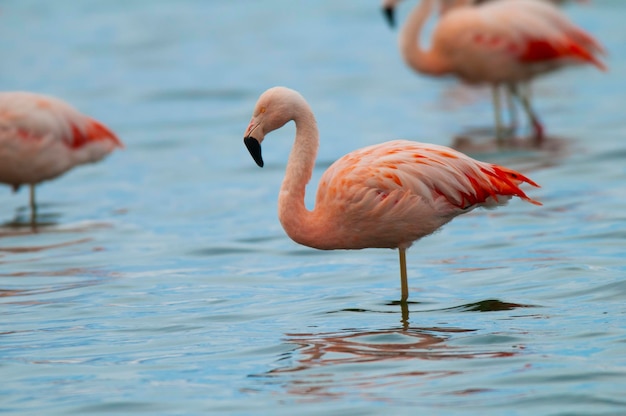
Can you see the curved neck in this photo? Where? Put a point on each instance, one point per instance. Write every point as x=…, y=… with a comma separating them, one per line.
x=426, y=62
x=297, y=221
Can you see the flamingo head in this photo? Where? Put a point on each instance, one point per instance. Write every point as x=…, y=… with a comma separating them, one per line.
x=389, y=13
x=274, y=108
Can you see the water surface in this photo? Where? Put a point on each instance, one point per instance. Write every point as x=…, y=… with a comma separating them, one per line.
x=160, y=281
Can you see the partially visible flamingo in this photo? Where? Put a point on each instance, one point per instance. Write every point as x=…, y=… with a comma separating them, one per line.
x=505, y=42
x=523, y=88
x=558, y=2
x=42, y=137
x=453, y=3
x=383, y=196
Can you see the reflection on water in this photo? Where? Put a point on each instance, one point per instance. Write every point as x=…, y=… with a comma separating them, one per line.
x=34, y=220
x=326, y=365
x=334, y=364
x=482, y=141
x=489, y=305
x=50, y=286
x=19, y=241
x=17, y=229
x=34, y=249
x=323, y=349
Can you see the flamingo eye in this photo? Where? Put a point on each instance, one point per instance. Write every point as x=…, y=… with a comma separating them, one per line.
x=262, y=110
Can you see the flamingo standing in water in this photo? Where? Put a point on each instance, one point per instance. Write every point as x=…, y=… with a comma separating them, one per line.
x=389, y=5
x=523, y=88
x=505, y=42
x=42, y=137
x=383, y=196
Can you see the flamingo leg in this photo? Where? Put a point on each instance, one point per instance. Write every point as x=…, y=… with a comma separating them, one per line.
x=532, y=116
x=510, y=103
x=526, y=90
x=33, y=205
x=404, y=309
x=495, y=92
x=403, y=276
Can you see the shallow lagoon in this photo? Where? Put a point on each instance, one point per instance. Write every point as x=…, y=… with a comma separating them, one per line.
x=160, y=281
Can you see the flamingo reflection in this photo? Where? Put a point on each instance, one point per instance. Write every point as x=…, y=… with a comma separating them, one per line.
x=323, y=364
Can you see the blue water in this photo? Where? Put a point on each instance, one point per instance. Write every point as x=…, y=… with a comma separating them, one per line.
x=159, y=281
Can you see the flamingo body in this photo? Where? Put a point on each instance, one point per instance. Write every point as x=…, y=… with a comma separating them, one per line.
x=382, y=196
x=392, y=194
x=42, y=137
x=505, y=41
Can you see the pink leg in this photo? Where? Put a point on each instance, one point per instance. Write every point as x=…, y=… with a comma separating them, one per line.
x=403, y=276
x=538, y=129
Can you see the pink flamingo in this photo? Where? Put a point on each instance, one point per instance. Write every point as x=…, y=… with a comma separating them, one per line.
x=42, y=137
x=523, y=88
x=383, y=196
x=506, y=42
x=453, y=3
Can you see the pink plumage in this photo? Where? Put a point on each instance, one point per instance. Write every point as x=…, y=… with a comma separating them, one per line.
x=383, y=196
x=505, y=42
x=391, y=194
x=42, y=137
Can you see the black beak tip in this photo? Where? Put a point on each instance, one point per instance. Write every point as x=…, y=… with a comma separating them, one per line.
x=254, y=147
x=389, y=16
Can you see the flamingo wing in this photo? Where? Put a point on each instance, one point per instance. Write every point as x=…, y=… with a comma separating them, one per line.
x=513, y=32
x=390, y=195
x=42, y=137
x=31, y=116
x=442, y=178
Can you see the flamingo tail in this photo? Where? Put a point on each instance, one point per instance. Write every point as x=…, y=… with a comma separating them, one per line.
x=506, y=182
x=538, y=50
x=93, y=131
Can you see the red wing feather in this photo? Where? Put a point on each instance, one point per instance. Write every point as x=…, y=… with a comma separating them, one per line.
x=506, y=182
x=539, y=50
x=94, y=131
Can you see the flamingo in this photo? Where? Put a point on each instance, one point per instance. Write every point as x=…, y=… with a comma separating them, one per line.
x=523, y=88
x=382, y=196
x=42, y=137
x=452, y=3
x=505, y=42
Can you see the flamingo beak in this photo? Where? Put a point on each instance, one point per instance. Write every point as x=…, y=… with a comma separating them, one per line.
x=388, y=11
x=254, y=147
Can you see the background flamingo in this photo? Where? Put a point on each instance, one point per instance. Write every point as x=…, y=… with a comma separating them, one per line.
x=382, y=196
x=523, y=88
x=504, y=42
x=42, y=137
x=453, y=3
